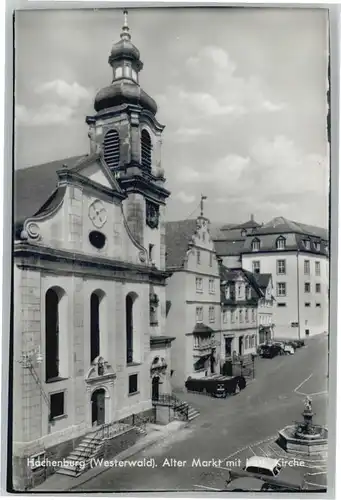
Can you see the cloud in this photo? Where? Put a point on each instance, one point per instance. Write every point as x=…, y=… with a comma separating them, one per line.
x=287, y=170
x=47, y=114
x=60, y=102
x=187, y=134
x=184, y=197
x=276, y=178
x=72, y=94
x=222, y=92
x=224, y=172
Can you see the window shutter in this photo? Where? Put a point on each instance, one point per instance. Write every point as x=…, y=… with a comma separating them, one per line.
x=112, y=148
x=146, y=150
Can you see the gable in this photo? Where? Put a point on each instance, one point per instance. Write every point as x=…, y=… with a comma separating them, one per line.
x=33, y=186
x=95, y=174
x=93, y=168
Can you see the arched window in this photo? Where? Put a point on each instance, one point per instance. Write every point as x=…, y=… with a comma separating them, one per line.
x=129, y=328
x=94, y=326
x=51, y=334
x=56, y=335
x=280, y=243
x=246, y=342
x=255, y=245
x=146, y=150
x=111, y=145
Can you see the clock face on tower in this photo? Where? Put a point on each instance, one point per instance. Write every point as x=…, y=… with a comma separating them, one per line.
x=97, y=214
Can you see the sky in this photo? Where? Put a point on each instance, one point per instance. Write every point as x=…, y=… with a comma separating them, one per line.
x=241, y=92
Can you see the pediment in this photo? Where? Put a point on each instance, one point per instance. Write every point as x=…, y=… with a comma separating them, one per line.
x=100, y=370
x=94, y=168
x=95, y=174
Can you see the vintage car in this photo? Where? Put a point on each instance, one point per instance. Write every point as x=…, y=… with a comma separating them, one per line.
x=267, y=471
x=219, y=387
x=296, y=344
x=289, y=349
x=265, y=467
x=270, y=351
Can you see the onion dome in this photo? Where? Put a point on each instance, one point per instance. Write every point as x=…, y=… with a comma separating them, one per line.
x=124, y=49
x=126, y=64
x=122, y=92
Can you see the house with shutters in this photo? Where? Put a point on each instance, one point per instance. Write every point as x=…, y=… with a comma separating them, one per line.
x=89, y=339
x=193, y=300
x=266, y=303
x=240, y=296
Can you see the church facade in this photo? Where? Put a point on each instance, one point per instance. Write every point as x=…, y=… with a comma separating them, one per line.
x=89, y=310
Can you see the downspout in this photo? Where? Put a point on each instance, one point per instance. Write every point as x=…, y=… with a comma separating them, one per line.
x=298, y=298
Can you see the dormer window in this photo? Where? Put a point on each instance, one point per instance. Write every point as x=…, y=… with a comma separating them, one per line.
x=255, y=245
x=146, y=150
x=306, y=243
x=227, y=292
x=243, y=232
x=280, y=243
x=111, y=145
x=318, y=246
x=249, y=291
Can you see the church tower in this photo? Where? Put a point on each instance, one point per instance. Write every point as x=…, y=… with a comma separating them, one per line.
x=127, y=134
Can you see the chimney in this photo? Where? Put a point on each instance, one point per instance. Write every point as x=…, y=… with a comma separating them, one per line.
x=252, y=217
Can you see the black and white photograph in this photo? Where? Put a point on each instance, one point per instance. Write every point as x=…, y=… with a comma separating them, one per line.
x=171, y=251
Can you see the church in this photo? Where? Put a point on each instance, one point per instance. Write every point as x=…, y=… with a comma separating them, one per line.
x=89, y=307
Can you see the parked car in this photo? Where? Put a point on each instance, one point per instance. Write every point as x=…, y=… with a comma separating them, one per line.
x=296, y=344
x=264, y=474
x=248, y=483
x=270, y=351
x=218, y=387
x=266, y=467
x=289, y=349
x=300, y=343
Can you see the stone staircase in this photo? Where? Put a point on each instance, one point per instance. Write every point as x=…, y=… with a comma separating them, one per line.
x=92, y=447
x=183, y=410
x=79, y=459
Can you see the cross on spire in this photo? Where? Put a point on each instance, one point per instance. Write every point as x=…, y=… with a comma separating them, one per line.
x=202, y=205
x=125, y=35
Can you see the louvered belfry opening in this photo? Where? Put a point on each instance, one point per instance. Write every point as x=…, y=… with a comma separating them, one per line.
x=112, y=148
x=146, y=150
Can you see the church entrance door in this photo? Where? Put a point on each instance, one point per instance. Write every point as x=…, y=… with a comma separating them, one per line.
x=98, y=407
x=155, y=388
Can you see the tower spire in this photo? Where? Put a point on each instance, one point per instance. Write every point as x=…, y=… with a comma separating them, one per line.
x=125, y=35
x=202, y=205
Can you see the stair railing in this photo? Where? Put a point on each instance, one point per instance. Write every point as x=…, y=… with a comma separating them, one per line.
x=89, y=448
x=175, y=403
x=104, y=432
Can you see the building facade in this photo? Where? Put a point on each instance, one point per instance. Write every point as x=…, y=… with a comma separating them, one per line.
x=193, y=300
x=89, y=306
x=266, y=303
x=297, y=257
x=240, y=296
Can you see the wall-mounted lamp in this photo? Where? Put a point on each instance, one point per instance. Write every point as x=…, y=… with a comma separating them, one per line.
x=27, y=358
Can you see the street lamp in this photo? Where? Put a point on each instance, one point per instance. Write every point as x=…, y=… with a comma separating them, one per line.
x=27, y=357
